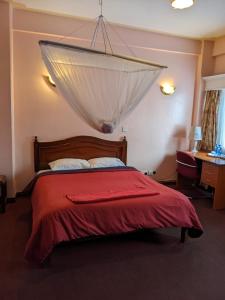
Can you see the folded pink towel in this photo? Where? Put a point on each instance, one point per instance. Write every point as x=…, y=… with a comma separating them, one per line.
x=110, y=195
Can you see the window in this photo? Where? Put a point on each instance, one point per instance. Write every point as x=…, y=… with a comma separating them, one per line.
x=221, y=122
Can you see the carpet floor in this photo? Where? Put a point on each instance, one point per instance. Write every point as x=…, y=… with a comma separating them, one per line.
x=142, y=266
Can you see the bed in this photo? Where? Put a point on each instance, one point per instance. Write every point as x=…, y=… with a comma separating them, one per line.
x=76, y=204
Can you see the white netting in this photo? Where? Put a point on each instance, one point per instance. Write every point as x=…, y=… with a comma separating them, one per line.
x=103, y=89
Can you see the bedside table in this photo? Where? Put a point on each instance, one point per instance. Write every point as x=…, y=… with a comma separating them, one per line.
x=3, y=193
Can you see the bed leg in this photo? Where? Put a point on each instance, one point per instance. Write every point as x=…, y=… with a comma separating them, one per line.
x=47, y=262
x=183, y=234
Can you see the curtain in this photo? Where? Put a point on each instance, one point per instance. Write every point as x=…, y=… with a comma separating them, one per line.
x=101, y=88
x=221, y=122
x=209, y=120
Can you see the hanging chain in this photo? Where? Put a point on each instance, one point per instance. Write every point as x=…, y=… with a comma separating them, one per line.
x=107, y=36
x=100, y=3
x=119, y=36
x=95, y=33
x=101, y=27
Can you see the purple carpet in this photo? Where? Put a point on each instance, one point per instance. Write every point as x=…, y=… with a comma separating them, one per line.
x=142, y=266
x=195, y=193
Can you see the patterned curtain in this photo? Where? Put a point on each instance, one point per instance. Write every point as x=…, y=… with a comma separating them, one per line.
x=221, y=122
x=209, y=120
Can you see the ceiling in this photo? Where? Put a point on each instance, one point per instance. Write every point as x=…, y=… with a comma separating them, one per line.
x=206, y=19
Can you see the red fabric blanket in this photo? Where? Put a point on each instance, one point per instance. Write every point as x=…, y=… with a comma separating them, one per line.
x=110, y=195
x=57, y=219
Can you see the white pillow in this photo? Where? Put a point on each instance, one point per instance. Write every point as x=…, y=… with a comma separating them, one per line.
x=104, y=162
x=69, y=164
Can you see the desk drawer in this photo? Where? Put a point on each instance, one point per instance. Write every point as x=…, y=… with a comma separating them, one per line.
x=209, y=174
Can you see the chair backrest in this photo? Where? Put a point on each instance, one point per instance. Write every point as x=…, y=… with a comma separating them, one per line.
x=187, y=165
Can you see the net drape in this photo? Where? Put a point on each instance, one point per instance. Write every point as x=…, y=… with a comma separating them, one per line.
x=101, y=88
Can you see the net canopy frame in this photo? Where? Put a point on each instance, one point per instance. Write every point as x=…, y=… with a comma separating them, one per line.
x=74, y=47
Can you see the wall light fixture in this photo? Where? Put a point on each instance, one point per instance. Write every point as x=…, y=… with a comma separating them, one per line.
x=49, y=80
x=167, y=88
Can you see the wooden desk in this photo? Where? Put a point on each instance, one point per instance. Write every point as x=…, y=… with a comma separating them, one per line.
x=213, y=174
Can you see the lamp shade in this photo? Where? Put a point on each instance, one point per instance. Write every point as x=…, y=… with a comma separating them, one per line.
x=196, y=133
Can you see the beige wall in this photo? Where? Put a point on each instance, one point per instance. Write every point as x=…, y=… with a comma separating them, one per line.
x=156, y=129
x=5, y=94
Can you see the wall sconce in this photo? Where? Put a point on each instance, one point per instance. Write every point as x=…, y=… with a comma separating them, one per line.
x=167, y=88
x=49, y=80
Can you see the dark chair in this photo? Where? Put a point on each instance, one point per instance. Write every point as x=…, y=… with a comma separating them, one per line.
x=188, y=169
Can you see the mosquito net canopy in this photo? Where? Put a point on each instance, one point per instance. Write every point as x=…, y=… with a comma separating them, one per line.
x=102, y=88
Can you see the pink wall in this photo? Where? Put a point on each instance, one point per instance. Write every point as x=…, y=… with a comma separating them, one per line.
x=83, y=29
x=5, y=95
x=205, y=67
x=219, y=67
x=211, y=62
x=208, y=60
x=156, y=129
x=219, y=55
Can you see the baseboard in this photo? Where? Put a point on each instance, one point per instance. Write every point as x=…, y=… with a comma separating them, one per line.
x=11, y=200
x=168, y=182
x=20, y=194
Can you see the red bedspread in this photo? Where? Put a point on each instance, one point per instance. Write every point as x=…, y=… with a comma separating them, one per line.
x=111, y=194
x=57, y=219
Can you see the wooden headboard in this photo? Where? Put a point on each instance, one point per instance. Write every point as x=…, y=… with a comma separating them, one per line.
x=82, y=147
